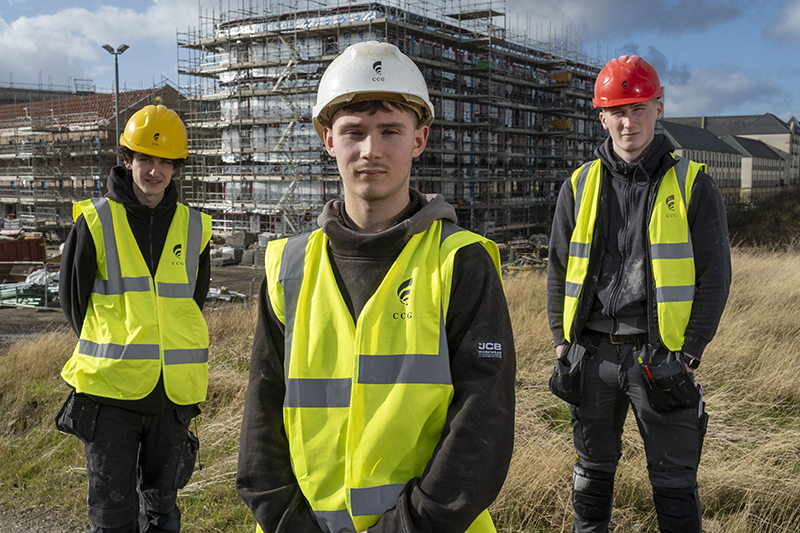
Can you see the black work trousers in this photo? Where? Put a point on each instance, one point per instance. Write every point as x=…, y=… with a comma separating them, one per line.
x=612, y=382
x=135, y=464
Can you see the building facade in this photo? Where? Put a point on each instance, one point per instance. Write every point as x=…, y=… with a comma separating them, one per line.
x=783, y=136
x=513, y=117
x=723, y=162
x=57, y=152
x=764, y=168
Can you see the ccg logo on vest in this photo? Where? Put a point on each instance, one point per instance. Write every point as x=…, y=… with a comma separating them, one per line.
x=177, y=252
x=404, y=293
x=670, y=201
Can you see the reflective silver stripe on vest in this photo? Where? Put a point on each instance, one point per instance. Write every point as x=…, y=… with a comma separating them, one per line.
x=115, y=284
x=374, y=500
x=579, y=249
x=408, y=368
x=193, y=242
x=186, y=356
x=684, y=293
x=119, y=286
x=174, y=290
x=313, y=393
x=682, y=172
x=116, y=351
x=573, y=290
x=290, y=277
x=335, y=521
x=580, y=183
x=672, y=250
x=448, y=229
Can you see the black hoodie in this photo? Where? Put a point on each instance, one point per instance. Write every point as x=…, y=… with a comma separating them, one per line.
x=79, y=265
x=615, y=298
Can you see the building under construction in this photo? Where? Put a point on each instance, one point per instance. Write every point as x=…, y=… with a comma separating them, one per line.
x=58, y=151
x=513, y=115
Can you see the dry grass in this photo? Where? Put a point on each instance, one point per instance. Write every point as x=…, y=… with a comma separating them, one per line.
x=749, y=475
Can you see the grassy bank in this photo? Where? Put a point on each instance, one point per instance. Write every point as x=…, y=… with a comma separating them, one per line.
x=749, y=476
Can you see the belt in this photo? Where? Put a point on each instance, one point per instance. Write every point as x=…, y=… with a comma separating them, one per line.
x=638, y=339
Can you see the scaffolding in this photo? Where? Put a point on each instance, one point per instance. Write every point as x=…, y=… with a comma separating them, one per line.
x=513, y=115
x=54, y=153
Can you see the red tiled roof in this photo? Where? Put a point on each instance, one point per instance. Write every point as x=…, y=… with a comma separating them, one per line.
x=78, y=110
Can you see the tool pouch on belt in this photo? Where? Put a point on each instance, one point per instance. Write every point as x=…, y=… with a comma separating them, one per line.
x=567, y=379
x=78, y=416
x=669, y=385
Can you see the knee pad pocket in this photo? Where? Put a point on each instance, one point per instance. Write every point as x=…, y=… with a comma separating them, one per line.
x=592, y=494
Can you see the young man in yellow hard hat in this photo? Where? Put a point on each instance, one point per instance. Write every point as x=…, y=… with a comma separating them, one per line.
x=134, y=276
x=638, y=278
x=381, y=394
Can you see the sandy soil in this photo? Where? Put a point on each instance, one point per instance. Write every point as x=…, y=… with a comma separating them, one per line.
x=20, y=322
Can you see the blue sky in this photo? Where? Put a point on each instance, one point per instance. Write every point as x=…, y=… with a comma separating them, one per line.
x=715, y=57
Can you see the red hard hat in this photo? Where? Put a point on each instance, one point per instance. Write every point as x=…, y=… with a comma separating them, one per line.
x=626, y=80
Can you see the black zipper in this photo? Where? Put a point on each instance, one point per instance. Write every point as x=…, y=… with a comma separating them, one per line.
x=624, y=249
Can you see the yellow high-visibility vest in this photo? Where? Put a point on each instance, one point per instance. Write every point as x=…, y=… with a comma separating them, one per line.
x=670, y=242
x=365, y=401
x=137, y=327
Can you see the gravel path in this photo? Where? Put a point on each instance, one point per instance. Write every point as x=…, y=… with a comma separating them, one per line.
x=35, y=520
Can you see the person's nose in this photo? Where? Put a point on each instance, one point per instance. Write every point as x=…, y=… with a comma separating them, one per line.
x=371, y=147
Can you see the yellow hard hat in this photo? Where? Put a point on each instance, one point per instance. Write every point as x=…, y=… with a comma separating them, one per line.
x=158, y=131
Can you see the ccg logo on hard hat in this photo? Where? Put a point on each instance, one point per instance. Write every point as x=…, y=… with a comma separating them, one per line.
x=371, y=71
x=377, y=67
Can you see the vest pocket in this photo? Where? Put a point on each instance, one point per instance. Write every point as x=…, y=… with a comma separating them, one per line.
x=78, y=416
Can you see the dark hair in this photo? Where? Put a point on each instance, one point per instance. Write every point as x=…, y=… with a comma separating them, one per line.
x=126, y=154
x=373, y=106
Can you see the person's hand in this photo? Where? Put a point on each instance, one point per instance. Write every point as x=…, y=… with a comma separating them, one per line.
x=559, y=349
x=688, y=368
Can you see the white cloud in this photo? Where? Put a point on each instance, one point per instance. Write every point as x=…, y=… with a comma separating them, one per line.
x=59, y=44
x=603, y=19
x=720, y=90
x=786, y=26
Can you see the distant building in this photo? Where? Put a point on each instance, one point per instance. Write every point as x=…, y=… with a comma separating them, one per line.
x=764, y=168
x=784, y=136
x=57, y=152
x=723, y=162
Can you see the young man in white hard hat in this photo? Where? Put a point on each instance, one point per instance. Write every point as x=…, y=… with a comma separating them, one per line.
x=381, y=393
x=134, y=276
x=638, y=278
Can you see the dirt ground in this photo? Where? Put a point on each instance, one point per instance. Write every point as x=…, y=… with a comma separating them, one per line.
x=20, y=322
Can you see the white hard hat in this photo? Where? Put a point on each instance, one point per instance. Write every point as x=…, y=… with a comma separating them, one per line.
x=366, y=72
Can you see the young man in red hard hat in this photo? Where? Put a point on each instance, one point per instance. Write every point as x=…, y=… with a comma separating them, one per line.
x=134, y=276
x=381, y=394
x=638, y=278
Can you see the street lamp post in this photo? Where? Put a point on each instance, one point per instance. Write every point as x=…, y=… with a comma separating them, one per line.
x=116, y=53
